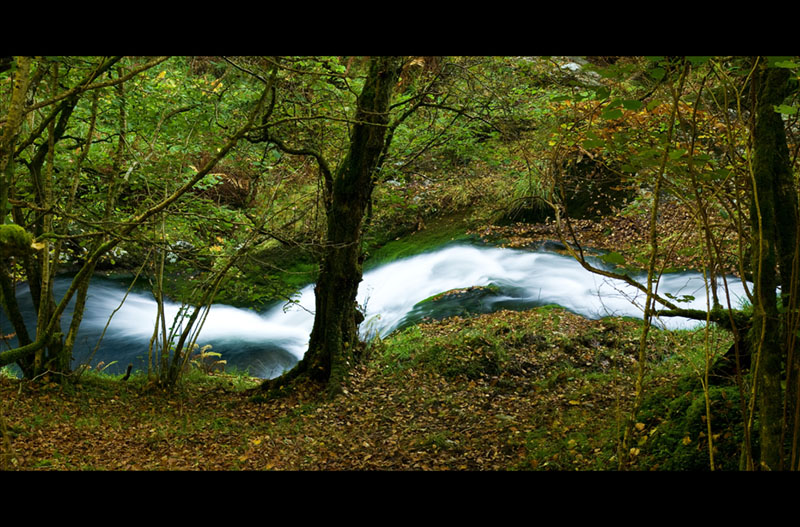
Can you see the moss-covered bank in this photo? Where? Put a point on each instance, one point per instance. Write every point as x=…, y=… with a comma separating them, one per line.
x=536, y=390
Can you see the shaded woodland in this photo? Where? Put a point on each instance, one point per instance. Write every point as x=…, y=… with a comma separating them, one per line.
x=239, y=179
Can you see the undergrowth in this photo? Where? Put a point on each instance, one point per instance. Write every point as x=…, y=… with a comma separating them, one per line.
x=542, y=389
x=577, y=380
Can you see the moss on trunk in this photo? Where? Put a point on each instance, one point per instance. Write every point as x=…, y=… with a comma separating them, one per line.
x=774, y=217
x=334, y=338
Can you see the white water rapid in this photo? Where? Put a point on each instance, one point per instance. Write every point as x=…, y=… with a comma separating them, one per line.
x=524, y=278
x=268, y=343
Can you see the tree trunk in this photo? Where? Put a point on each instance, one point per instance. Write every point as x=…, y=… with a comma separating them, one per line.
x=774, y=218
x=334, y=337
x=14, y=119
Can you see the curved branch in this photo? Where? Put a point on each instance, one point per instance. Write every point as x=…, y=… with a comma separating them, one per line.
x=724, y=318
x=324, y=167
x=86, y=84
x=580, y=257
x=85, y=271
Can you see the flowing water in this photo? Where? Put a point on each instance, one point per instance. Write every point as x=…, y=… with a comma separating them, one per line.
x=392, y=295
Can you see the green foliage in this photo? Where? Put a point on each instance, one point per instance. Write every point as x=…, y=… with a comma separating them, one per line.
x=402, y=351
x=206, y=360
x=786, y=109
x=613, y=258
x=8, y=372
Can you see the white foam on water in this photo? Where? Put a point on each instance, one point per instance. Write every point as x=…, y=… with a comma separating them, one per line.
x=137, y=317
x=389, y=292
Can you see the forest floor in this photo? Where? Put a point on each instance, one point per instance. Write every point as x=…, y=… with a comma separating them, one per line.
x=534, y=390
x=540, y=389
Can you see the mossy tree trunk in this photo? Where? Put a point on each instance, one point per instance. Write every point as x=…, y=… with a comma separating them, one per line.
x=334, y=338
x=774, y=223
x=14, y=119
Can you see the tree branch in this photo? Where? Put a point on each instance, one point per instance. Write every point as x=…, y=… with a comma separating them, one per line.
x=85, y=271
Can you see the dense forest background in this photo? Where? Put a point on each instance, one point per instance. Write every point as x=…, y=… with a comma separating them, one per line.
x=239, y=179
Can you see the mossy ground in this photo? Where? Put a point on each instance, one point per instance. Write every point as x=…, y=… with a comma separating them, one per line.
x=535, y=390
x=444, y=230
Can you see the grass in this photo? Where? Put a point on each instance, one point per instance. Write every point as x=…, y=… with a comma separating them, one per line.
x=515, y=390
x=437, y=233
x=578, y=376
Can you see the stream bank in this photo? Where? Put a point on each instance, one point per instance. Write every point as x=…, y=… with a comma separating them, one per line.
x=541, y=389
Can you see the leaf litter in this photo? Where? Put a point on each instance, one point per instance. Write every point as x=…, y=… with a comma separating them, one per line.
x=531, y=390
x=539, y=389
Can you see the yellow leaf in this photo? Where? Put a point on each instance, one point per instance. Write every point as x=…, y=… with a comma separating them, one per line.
x=162, y=74
x=686, y=440
x=573, y=402
x=640, y=426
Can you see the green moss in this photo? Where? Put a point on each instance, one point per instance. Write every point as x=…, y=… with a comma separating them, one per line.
x=440, y=232
x=14, y=240
x=677, y=416
x=477, y=290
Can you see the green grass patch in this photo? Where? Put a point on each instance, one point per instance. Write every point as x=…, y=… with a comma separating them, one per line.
x=579, y=375
x=438, y=233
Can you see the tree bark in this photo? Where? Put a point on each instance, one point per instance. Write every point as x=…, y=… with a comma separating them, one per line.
x=11, y=129
x=334, y=338
x=774, y=218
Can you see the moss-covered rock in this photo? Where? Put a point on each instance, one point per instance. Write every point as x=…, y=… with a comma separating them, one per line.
x=588, y=188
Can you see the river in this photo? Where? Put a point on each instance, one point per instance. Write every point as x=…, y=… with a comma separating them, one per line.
x=392, y=296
